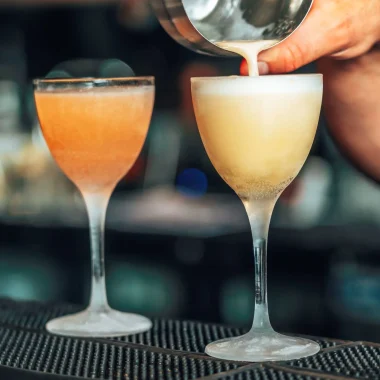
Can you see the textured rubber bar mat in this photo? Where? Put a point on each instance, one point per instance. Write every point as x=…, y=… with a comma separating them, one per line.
x=7, y=373
x=182, y=335
x=32, y=315
x=45, y=353
x=175, y=335
x=357, y=360
x=268, y=372
x=193, y=336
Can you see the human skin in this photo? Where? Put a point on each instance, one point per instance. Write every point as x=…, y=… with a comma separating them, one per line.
x=352, y=108
x=343, y=37
x=340, y=29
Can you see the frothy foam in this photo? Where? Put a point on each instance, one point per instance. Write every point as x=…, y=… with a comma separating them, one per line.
x=100, y=91
x=275, y=84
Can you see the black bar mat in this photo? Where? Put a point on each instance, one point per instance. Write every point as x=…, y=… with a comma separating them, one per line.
x=174, y=335
x=172, y=350
x=266, y=372
x=359, y=360
x=8, y=373
x=93, y=359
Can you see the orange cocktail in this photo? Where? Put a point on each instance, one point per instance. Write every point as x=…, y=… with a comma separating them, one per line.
x=95, y=130
x=95, y=136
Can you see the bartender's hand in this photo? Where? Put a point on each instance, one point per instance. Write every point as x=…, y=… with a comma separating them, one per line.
x=340, y=29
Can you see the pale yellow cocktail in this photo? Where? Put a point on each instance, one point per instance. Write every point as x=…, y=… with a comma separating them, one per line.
x=258, y=132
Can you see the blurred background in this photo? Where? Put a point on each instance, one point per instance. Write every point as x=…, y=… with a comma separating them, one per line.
x=178, y=243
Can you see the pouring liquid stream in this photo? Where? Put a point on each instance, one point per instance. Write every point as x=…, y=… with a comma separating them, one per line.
x=248, y=50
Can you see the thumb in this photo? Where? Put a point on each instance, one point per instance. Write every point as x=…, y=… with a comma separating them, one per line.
x=309, y=42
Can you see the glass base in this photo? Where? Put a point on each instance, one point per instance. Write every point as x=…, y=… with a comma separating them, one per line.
x=262, y=347
x=106, y=323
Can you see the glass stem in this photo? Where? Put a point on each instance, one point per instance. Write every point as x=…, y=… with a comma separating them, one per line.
x=260, y=213
x=96, y=208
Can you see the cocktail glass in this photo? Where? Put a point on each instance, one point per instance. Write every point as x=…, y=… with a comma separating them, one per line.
x=95, y=130
x=258, y=132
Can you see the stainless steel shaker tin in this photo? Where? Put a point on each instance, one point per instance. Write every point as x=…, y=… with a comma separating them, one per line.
x=199, y=24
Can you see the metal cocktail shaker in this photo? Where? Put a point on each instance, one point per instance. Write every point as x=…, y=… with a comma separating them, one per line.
x=199, y=24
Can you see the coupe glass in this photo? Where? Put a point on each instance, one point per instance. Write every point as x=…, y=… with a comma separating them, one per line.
x=95, y=130
x=258, y=132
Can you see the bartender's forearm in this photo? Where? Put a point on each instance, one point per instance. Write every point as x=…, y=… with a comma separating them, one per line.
x=352, y=108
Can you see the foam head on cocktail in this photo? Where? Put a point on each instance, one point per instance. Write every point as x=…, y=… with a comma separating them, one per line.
x=258, y=132
x=95, y=130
